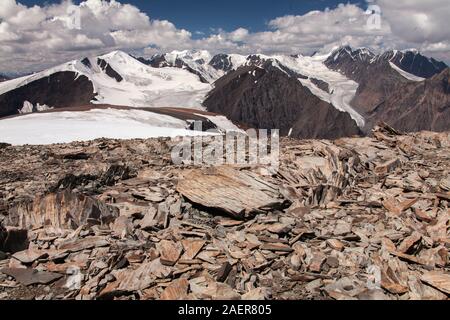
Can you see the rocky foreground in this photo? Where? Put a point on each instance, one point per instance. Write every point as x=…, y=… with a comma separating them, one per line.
x=356, y=218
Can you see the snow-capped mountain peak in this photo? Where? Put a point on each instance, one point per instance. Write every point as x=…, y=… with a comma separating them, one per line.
x=227, y=62
x=413, y=62
x=194, y=61
x=115, y=78
x=346, y=52
x=199, y=56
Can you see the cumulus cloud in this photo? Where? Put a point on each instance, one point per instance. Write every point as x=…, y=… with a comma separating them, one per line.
x=32, y=38
x=35, y=37
x=420, y=24
x=401, y=24
x=418, y=21
x=346, y=24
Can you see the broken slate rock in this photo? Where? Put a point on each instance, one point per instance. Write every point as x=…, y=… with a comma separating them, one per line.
x=176, y=290
x=205, y=288
x=191, y=248
x=169, y=251
x=149, y=221
x=223, y=272
x=438, y=280
x=83, y=244
x=409, y=243
x=29, y=277
x=139, y=279
x=237, y=193
x=29, y=256
x=66, y=210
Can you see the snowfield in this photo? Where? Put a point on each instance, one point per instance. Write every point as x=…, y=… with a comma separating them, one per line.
x=68, y=126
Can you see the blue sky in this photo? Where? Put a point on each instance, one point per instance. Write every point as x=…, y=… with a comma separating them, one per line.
x=205, y=15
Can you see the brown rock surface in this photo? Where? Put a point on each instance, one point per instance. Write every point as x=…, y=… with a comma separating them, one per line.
x=268, y=98
x=238, y=193
x=64, y=209
x=349, y=231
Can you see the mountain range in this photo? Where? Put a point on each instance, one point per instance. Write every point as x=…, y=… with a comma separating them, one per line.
x=343, y=93
x=407, y=82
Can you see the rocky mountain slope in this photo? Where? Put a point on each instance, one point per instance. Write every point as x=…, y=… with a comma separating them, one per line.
x=59, y=89
x=354, y=62
x=268, y=98
x=375, y=77
x=363, y=218
x=390, y=86
x=418, y=105
x=415, y=63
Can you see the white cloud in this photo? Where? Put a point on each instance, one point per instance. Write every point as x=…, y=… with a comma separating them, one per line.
x=420, y=24
x=417, y=20
x=36, y=37
x=239, y=34
x=33, y=38
x=346, y=24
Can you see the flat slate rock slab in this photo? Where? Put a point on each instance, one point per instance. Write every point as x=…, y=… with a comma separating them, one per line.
x=29, y=277
x=238, y=193
x=65, y=209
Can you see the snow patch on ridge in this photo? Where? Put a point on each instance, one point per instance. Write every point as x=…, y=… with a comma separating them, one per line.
x=223, y=123
x=405, y=74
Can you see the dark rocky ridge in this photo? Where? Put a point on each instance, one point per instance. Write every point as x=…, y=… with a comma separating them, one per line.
x=86, y=62
x=354, y=63
x=61, y=89
x=105, y=66
x=321, y=84
x=221, y=62
x=376, y=78
x=385, y=95
x=157, y=61
x=415, y=63
x=418, y=105
x=267, y=98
